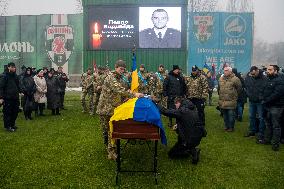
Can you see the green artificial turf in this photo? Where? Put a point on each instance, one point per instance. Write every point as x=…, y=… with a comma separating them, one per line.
x=67, y=151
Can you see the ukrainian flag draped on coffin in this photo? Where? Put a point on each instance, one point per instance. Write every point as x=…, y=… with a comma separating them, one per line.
x=139, y=109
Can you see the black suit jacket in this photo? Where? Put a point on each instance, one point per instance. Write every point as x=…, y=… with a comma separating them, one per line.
x=171, y=39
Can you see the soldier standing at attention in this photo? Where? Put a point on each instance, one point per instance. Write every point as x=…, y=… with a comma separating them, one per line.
x=155, y=88
x=98, y=83
x=197, y=91
x=113, y=94
x=87, y=89
x=161, y=75
x=142, y=79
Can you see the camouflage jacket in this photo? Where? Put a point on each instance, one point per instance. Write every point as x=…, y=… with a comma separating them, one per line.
x=154, y=87
x=113, y=94
x=197, y=87
x=143, y=82
x=87, y=82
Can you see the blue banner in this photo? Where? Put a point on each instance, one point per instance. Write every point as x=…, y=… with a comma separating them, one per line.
x=220, y=39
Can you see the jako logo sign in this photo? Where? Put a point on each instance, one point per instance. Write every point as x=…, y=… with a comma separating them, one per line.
x=235, y=26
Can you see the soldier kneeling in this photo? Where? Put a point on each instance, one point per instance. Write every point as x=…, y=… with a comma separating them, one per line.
x=189, y=129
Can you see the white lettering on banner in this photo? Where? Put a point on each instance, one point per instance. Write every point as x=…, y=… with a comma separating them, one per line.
x=13, y=47
x=227, y=59
x=214, y=59
x=220, y=51
x=30, y=48
x=16, y=47
x=233, y=41
x=211, y=59
x=4, y=47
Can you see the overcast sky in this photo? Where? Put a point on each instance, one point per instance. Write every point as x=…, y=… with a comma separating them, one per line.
x=269, y=14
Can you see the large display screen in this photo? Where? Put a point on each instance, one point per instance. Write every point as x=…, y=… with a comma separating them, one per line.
x=112, y=28
x=122, y=27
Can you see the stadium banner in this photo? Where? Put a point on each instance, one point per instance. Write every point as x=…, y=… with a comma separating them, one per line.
x=217, y=39
x=42, y=41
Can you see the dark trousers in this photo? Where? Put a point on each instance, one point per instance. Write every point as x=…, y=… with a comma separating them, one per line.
x=55, y=111
x=10, y=112
x=273, y=117
x=171, y=105
x=39, y=107
x=210, y=97
x=181, y=149
x=229, y=118
x=62, y=94
x=199, y=104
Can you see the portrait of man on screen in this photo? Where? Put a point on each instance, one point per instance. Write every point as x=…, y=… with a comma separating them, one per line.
x=161, y=34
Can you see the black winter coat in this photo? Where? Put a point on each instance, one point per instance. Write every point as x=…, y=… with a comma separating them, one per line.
x=189, y=128
x=254, y=87
x=9, y=86
x=273, y=94
x=28, y=86
x=53, y=96
x=174, y=85
x=62, y=82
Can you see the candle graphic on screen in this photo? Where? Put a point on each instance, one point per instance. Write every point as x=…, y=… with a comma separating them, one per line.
x=96, y=36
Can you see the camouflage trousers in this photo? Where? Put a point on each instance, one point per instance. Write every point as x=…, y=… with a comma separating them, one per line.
x=96, y=100
x=91, y=102
x=104, y=121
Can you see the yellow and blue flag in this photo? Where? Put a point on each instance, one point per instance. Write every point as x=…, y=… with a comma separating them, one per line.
x=139, y=109
x=134, y=75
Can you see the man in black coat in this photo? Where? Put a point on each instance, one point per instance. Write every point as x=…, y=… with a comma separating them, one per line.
x=273, y=100
x=174, y=86
x=189, y=129
x=63, y=79
x=9, y=97
x=255, y=83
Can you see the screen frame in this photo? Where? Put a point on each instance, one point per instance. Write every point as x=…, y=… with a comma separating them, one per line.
x=184, y=25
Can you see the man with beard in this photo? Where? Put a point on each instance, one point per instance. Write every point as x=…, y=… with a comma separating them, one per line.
x=273, y=100
x=9, y=97
x=255, y=83
x=173, y=86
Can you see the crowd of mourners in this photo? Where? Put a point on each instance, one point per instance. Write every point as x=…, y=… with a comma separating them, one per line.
x=30, y=91
x=262, y=88
x=180, y=97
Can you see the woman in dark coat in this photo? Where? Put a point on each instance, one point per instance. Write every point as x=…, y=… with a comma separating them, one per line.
x=53, y=96
x=189, y=129
x=29, y=88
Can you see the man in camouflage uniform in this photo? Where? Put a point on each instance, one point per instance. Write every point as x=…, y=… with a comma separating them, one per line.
x=197, y=91
x=154, y=87
x=97, y=84
x=87, y=90
x=161, y=75
x=126, y=78
x=143, y=77
x=113, y=94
